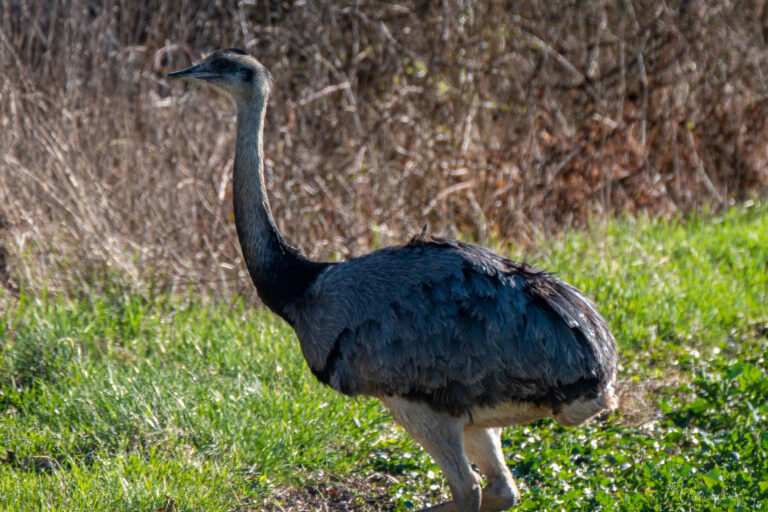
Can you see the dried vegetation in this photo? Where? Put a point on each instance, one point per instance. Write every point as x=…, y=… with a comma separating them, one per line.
x=494, y=119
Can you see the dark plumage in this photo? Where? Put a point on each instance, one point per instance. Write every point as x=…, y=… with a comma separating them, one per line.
x=284, y=280
x=452, y=325
x=455, y=340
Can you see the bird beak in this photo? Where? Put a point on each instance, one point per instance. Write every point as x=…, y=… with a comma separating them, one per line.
x=198, y=71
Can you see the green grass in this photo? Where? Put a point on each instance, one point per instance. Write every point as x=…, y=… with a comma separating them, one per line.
x=132, y=403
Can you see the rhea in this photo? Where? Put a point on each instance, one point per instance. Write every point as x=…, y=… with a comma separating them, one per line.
x=456, y=341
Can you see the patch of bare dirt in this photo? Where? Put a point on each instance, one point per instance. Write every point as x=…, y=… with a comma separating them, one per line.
x=638, y=400
x=329, y=493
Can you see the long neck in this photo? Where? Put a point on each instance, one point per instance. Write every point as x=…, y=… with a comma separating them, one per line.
x=281, y=274
x=259, y=236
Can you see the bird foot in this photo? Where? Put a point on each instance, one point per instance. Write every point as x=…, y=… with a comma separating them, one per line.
x=498, y=503
x=500, y=495
x=490, y=504
x=496, y=497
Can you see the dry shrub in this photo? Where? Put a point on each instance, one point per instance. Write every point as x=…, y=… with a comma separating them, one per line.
x=492, y=119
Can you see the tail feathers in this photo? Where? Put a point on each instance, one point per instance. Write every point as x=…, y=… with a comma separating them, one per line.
x=583, y=409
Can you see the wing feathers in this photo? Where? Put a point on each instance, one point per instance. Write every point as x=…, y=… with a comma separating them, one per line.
x=454, y=325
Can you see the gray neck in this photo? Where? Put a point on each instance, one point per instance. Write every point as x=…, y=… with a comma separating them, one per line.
x=259, y=237
x=281, y=274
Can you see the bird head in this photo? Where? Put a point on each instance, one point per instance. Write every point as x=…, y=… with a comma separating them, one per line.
x=232, y=71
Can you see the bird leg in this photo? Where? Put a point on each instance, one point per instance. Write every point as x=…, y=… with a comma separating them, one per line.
x=483, y=447
x=442, y=436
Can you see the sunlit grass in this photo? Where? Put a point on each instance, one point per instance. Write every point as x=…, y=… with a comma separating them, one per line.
x=122, y=402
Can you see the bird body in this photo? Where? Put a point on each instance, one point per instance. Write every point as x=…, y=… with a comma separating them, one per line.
x=454, y=326
x=455, y=340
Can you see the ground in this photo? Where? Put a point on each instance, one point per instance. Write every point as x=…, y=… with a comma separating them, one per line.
x=125, y=401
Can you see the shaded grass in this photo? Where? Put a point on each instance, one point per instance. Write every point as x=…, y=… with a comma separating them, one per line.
x=119, y=402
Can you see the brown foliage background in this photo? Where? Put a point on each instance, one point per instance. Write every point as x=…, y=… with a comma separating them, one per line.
x=497, y=120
